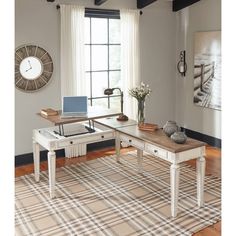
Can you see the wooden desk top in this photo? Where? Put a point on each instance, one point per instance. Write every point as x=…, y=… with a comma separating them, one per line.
x=112, y=122
x=93, y=113
x=160, y=139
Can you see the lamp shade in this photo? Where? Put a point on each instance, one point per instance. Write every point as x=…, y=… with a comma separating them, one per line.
x=108, y=91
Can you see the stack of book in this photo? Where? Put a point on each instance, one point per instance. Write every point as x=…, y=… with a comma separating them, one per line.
x=148, y=127
x=48, y=112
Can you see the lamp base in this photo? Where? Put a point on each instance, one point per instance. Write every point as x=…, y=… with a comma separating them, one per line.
x=122, y=117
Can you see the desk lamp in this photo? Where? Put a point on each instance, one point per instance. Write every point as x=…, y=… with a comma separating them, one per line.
x=109, y=91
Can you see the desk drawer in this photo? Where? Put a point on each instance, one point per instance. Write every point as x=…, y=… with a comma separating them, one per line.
x=85, y=138
x=132, y=141
x=156, y=151
x=100, y=136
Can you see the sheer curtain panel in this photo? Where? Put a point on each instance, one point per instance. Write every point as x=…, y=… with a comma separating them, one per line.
x=72, y=50
x=130, y=58
x=73, y=60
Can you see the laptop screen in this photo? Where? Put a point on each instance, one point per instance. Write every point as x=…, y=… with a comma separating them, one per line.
x=75, y=104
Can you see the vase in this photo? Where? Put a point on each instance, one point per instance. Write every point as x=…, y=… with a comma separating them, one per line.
x=170, y=127
x=141, y=106
x=179, y=137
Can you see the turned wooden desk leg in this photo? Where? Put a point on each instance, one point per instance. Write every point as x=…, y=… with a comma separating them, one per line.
x=201, y=165
x=36, y=157
x=174, y=182
x=140, y=160
x=52, y=172
x=117, y=145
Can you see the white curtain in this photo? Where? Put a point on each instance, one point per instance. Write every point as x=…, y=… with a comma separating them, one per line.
x=130, y=58
x=73, y=59
x=72, y=50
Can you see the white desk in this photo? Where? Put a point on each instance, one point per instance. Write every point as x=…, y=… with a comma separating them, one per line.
x=156, y=143
x=53, y=138
x=159, y=145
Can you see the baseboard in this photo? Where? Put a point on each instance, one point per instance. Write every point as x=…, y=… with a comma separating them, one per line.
x=27, y=158
x=212, y=141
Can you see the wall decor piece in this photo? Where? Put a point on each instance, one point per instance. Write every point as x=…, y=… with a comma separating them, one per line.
x=33, y=68
x=182, y=65
x=207, y=69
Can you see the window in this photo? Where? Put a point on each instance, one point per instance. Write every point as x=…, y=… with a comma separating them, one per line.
x=102, y=47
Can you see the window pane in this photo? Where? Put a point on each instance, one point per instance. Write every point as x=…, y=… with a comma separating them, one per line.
x=99, y=57
x=114, y=57
x=102, y=102
x=115, y=103
x=88, y=93
x=96, y=30
x=99, y=30
x=99, y=83
x=114, y=77
x=89, y=102
x=87, y=58
x=114, y=31
x=87, y=30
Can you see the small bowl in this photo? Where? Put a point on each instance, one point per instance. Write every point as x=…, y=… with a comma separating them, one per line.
x=179, y=137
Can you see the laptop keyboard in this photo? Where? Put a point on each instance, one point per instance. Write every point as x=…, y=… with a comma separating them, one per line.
x=71, y=114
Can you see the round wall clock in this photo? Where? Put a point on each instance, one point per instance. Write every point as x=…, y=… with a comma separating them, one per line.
x=33, y=68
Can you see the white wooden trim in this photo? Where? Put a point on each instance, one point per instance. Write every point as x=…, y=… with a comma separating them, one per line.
x=174, y=180
x=36, y=160
x=117, y=146
x=52, y=172
x=201, y=165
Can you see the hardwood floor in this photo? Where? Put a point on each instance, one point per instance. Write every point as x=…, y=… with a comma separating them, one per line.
x=213, y=167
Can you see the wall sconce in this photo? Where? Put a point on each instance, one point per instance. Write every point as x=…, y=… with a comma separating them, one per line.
x=182, y=66
x=109, y=91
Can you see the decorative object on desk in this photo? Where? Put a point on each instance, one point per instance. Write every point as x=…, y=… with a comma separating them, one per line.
x=33, y=68
x=48, y=112
x=122, y=116
x=182, y=66
x=170, y=127
x=140, y=94
x=148, y=127
x=179, y=137
x=141, y=107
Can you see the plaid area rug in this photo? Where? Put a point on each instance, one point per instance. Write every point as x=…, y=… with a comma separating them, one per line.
x=102, y=197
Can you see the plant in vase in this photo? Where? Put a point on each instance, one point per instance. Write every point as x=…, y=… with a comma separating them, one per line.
x=140, y=94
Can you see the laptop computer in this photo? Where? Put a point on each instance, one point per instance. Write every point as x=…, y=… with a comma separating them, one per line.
x=74, y=106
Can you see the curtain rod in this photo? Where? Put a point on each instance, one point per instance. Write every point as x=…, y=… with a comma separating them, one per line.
x=58, y=7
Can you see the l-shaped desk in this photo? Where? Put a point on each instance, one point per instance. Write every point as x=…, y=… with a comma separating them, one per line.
x=155, y=143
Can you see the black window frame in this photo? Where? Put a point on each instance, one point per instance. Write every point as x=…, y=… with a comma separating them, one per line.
x=108, y=14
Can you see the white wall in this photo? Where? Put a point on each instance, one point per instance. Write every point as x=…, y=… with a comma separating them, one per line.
x=201, y=16
x=38, y=22
x=158, y=44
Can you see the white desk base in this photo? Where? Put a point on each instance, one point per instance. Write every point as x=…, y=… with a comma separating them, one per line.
x=175, y=159
x=45, y=138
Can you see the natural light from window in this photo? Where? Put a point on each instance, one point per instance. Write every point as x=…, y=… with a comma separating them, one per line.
x=102, y=48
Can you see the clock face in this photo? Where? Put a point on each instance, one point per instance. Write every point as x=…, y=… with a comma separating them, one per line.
x=33, y=68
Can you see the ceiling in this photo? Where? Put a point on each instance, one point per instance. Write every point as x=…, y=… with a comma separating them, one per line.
x=176, y=5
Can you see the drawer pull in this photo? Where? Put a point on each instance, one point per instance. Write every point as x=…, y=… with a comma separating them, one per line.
x=130, y=141
x=102, y=136
x=71, y=142
x=156, y=151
